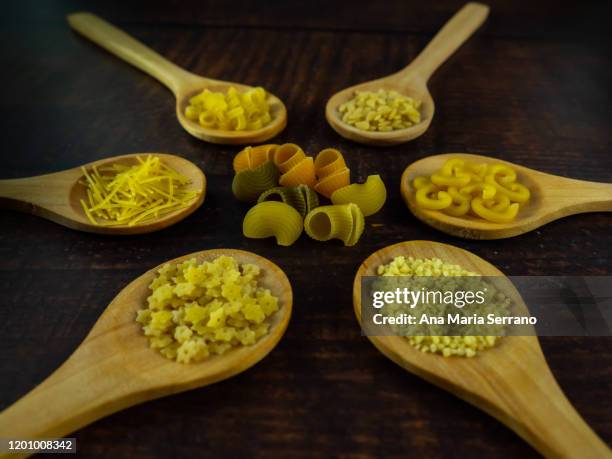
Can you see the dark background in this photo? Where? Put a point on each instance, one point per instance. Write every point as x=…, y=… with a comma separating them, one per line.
x=532, y=86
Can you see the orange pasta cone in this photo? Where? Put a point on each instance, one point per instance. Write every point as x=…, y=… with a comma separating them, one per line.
x=242, y=161
x=333, y=182
x=327, y=162
x=300, y=174
x=287, y=156
x=262, y=153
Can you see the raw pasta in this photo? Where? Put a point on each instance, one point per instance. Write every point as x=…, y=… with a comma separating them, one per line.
x=327, y=162
x=273, y=218
x=251, y=157
x=344, y=222
x=230, y=111
x=336, y=180
x=301, y=197
x=301, y=173
x=288, y=155
x=249, y=184
x=369, y=196
x=459, y=188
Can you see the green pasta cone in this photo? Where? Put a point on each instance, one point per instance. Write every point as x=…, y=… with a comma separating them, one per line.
x=300, y=197
x=248, y=185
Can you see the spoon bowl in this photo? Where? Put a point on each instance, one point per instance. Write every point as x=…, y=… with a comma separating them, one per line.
x=411, y=81
x=552, y=197
x=57, y=196
x=114, y=368
x=182, y=83
x=510, y=381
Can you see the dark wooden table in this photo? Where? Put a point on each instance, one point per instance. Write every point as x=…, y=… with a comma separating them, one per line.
x=533, y=87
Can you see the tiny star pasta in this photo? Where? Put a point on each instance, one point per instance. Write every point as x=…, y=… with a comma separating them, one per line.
x=201, y=309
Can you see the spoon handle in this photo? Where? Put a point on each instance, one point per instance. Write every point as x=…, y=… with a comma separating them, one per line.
x=454, y=33
x=130, y=50
x=38, y=195
x=538, y=410
x=94, y=382
x=579, y=196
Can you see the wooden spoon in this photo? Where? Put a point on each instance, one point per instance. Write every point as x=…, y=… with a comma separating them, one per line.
x=57, y=197
x=511, y=381
x=114, y=368
x=552, y=197
x=411, y=81
x=182, y=83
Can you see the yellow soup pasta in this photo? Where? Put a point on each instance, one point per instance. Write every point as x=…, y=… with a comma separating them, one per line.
x=230, y=111
x=380, y=111
x=369, y=196
x=301, y=197
x=249, y=184
x=344, y=222
x=272, y=218
x=198, y=309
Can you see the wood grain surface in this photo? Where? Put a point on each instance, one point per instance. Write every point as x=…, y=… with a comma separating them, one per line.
x=531, y=87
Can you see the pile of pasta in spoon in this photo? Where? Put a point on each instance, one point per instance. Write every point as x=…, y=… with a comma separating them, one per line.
x=285, y=184
x=461, y=189
x=122, y=194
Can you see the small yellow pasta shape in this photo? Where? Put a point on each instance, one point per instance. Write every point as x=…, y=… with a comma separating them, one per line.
x=430, y=197
x=344, y=222
x=232, y=110
x=287, y=156
x=369, y=196
x=301, y=197
x=300, y=174
x=479, y=207
x=327, y=162
x=333, y=182
x=249, y=184
x=273, y=218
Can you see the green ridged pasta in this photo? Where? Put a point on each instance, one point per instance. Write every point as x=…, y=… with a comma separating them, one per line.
x=249, y=184
x=344, y=222
x=273, y=218
x=369, y=196
x=300, y=197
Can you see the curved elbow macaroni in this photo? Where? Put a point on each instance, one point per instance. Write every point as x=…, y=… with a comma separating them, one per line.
x=273, y=218
x=369, y=196
x=487, y=191
x=231, y=111
x=302, y=198
x=249, y=184
x=344, y=222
